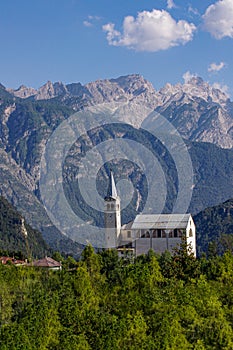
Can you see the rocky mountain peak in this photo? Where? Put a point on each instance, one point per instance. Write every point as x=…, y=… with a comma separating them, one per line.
x=50, y=90
x=196, y=87
x=133, y=84
x=23, y=91
x=195, y=80
x=124, y=88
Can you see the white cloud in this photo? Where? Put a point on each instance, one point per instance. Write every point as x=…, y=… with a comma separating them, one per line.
x=112, y=34
x=87, y=24
x=90, y=20
x=150, y=31
x=193, y=10
x=187, y=76
x=97, y=18
x=214, y=67
x=218, y=19
x=170, y=4
x=222, y=87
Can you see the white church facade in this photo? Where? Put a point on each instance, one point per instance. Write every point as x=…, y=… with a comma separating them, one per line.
x=159, y=232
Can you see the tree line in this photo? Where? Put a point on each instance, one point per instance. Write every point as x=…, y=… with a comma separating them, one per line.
x=166, y=302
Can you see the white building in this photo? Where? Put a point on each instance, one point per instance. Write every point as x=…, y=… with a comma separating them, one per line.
x=159, y=232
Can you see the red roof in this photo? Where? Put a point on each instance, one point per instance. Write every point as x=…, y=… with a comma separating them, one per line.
x=5, y=259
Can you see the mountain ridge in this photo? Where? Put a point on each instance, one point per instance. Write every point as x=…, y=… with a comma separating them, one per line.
x=199, y=111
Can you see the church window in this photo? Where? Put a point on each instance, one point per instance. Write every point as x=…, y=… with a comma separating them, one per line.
x=154, y=233
x=164, y=234
x=112, y=206
x=181, y=233
x=108, y=206
x=190, y=233
x=128, y=234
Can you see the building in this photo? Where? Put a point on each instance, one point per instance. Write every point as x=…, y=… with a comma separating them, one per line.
x=159, y=232
x=8, y=260
x=47, y=263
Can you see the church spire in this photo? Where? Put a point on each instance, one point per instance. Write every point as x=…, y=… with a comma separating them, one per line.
x=112, y=191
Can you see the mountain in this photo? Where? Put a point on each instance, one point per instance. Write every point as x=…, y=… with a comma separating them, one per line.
x=29, y=116
x=199, y=111
x=215, y=224
x=16, y=236
x=212, y=168
x=19, y=188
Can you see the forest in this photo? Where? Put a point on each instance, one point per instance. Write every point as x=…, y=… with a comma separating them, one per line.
x=167, y=302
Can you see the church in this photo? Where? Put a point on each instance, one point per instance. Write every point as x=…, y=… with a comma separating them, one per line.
x=159, y=232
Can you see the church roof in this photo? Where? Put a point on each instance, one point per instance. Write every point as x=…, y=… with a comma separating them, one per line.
x=112, y=191
x=160, y=221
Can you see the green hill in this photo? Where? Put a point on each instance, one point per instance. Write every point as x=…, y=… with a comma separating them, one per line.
x=18, y=237
x=215, y=224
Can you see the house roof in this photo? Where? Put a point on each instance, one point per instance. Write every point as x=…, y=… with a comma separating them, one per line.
x=5, y=259
x=46, y=262
x=160, y=221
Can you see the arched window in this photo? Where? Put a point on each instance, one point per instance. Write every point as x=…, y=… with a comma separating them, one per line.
x=190, y=232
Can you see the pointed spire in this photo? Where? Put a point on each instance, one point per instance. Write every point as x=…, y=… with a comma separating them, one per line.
x=112, y=191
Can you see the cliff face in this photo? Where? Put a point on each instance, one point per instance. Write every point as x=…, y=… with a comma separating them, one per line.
x=198, y=111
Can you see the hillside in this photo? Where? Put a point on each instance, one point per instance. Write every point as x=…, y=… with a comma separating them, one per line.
x=108, y=303
x=16, y=236
x=213, y=224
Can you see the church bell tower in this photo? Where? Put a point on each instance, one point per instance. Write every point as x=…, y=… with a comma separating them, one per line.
x=112, y=215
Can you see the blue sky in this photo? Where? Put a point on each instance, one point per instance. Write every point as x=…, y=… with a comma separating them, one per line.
x=86, y=40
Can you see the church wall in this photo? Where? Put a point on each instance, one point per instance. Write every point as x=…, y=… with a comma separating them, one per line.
x=191, y=235
x=173, y=243
x=142, y=246
x=159, y=245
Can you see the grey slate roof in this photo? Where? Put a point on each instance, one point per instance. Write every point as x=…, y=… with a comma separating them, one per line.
x=161, y=221
x=112, y=192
